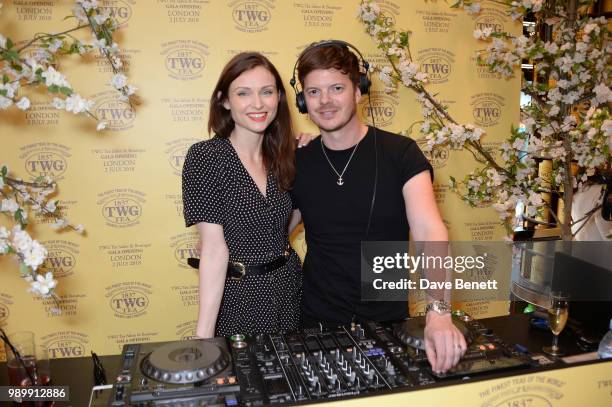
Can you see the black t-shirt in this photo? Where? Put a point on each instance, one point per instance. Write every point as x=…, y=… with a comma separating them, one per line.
x=336, y=216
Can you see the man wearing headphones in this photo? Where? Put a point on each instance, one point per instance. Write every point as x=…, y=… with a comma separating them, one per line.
x=357, y=183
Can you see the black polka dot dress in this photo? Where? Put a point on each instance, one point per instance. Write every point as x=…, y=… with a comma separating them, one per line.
x=218, y=189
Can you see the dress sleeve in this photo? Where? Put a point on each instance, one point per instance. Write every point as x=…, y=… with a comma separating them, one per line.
x=201, y=188
x=413, y=162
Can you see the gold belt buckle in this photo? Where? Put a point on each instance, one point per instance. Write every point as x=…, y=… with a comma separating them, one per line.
x=241, y=268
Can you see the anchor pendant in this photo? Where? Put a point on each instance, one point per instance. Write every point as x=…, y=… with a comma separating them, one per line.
x=340, y=181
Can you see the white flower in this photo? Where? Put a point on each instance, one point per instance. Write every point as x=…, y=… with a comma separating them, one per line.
x=58, y=103
x=2, y=41
x=102, y=16
x=9, y=205
x=43, y=285
x=591, y=27
x=51, y=206
x=52, y=77
x=59, y=224
x=551, y=47
x=483, y=34
x=79, y=229
x=554, y=110
x=473, y=8
x=88, y=4
x=119, y=81
x=5, y=102
x=602, y=93
x=55, y=45
x=606, y=128
x=34, y=257
x=23, y=104
x=76, y=104
x=101, y=126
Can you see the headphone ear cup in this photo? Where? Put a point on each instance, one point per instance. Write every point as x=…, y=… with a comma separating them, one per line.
x=364, y=84
x=300, y=102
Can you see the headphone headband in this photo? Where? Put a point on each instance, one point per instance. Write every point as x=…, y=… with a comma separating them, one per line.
x=364, y=81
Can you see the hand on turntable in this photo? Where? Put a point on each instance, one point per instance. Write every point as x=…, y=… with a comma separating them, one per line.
x=444, y=343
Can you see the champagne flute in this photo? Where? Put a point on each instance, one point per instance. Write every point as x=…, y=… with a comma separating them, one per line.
x=557, y=317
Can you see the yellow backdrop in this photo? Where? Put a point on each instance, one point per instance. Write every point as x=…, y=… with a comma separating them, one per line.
x=127, y=280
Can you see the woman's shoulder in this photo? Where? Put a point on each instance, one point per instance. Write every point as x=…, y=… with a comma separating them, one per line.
x=213, y=146
x=211, y=153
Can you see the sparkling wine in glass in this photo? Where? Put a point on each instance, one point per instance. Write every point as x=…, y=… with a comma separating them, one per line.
x=557, y=317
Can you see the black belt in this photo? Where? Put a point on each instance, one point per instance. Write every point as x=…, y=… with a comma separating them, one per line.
x=236, y=270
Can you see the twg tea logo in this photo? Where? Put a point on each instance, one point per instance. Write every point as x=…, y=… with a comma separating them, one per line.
x=129, y=299
x=120, y=10
x=61, y=257
x=251, y=16
x=66, y=344
x=65, y=349
x=118, y=114
x=121, y=207
x=379, y=109
x=184, y=59
x=437, y=157
x=177, y=152
x=487, y=108
x=490, y=18
x=437, y=63
x=389, y=11
x=184, y=246
x=46, y=160
x=186, y=331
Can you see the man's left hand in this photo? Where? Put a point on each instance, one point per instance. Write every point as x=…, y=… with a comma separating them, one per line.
x=444, y=343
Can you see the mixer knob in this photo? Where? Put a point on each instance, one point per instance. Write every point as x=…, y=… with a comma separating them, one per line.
x=357, y=383
x=337, y=354
x=345, y=365
x=349, y=371
x=352, y=377
x=357, y=357
x=318, y=388
x=363, y=363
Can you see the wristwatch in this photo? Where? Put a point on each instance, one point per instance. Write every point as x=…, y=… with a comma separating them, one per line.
x=440, y=307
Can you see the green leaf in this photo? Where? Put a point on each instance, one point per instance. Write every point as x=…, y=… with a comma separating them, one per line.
x=9, y=43
x=39, y=180
x=4, y=170
x=54, y=89
x=24, y=270
x=64, y=90
x=11, y=55
x=5, y=78
x=19, y=217
x=3, y=92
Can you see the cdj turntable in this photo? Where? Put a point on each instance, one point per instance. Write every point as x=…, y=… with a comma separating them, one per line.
x=316, y=364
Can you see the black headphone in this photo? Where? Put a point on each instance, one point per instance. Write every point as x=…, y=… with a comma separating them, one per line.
x=364, y=81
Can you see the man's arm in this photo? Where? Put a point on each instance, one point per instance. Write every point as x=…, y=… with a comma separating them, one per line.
x=444, y=343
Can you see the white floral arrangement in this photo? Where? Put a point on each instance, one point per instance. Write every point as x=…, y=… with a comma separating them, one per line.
x=40, y=69
x=568, y=119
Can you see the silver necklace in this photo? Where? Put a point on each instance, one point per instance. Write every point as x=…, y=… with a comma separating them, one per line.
x=340, y=175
